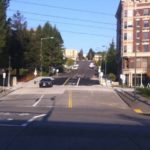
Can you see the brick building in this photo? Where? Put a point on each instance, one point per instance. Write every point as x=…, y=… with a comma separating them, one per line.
x=133, y=40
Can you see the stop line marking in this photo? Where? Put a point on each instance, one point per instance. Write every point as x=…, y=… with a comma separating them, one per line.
x=21, y=125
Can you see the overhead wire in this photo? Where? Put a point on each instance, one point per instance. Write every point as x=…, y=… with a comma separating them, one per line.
x=73, y=24
x=64, y=8
x=83, y=33
x=69, y=18
x=66, y=18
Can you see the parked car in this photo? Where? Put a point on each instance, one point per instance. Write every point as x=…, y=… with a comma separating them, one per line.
x=91, y=65
x=46, y=82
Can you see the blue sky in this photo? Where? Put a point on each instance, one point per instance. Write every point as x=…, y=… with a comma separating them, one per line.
x=83, y=24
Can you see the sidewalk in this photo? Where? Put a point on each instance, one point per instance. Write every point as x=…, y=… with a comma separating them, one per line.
x=18, y=86
x=138, y=103
x=8, y=90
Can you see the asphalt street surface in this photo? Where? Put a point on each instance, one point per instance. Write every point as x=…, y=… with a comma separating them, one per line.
x=70, y=117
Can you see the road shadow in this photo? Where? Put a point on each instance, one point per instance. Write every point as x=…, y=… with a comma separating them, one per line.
x=88, y=81
x=67, y=135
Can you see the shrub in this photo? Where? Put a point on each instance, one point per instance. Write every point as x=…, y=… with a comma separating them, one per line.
x=112, y=77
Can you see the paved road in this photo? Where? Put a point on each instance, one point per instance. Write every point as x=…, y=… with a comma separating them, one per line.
x=69, y=118
x=83, y=75
x=82, y=116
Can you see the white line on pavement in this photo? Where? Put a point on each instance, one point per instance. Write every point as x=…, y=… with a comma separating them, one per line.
x=36, y=103
x=32, y=119
x=78, y=81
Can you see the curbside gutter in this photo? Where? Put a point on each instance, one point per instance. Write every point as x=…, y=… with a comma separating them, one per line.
x=138, y=104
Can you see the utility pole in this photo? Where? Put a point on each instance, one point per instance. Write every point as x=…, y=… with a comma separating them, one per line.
x=135, y=76
x=9, y=69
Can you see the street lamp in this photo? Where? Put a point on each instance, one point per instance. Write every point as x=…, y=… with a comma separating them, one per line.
x=105, y=63
x=135, y=75
x=105, y=57
x=9, y=69
x=41, y=53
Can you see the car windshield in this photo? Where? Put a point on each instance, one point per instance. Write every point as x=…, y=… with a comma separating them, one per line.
x=46, y=79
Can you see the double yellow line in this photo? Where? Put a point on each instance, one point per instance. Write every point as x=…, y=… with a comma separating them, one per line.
x=70, y=102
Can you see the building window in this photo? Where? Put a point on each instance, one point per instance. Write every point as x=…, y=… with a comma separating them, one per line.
x=130, y=13
x=145, y=35
x=125, y=49
x=125, y=13
x=130, y=24
x=145, y=23
x=137, y=22
x=137, y=48
x=125, y=36
x=129, y=36
x=137, y=35
x=145, y=12
x=138, y=62
x=145, y=48
x=144, y=63
x=129, y=48
x=125, y=25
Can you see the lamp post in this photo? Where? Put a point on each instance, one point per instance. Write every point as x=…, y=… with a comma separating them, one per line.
x=9, y=69
x=135, y=75
x=41, y=53
x=105, y=61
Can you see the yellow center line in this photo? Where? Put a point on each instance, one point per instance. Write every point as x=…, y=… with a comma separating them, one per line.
x=70, y=103
x=139, y=111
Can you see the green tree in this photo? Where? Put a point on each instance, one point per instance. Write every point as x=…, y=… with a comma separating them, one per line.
x=32, y=53
x=112, y=77
x=3, y=30
x=69, y=62
x=52, y=46
x=80, y=55
x=111, y=59
x=90, y=54
x=18, y=41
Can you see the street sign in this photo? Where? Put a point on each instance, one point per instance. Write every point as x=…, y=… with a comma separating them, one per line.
x=4, y=75
x=57, y=70
x=35, y=72
x=101, y=74
x=123, y=78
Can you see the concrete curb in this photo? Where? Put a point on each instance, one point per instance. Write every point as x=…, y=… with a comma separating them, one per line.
x=137, y=104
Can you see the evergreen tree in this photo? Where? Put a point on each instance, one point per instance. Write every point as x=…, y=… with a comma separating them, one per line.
x=52, y=46
x=111, y=59
x=90, y=54
x=80, y=55
x=3, y=30
x=18, y=41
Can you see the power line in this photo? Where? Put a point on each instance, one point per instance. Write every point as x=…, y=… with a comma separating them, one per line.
x=66, y=18
x=73, y=24
x=64, y=8
x=91, y=34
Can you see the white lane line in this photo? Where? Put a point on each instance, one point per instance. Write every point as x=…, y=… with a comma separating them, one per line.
x=32, y=119
x=36, y=103
x=78, y=81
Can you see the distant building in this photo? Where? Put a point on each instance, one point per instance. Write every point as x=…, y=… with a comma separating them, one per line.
x=97, y=57
x=133, y=40
x=71, y=53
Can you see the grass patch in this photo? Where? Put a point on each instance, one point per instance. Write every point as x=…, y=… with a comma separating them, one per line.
x=144, y=92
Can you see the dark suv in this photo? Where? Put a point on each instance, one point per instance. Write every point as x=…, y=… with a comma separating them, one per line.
x=46, y=82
